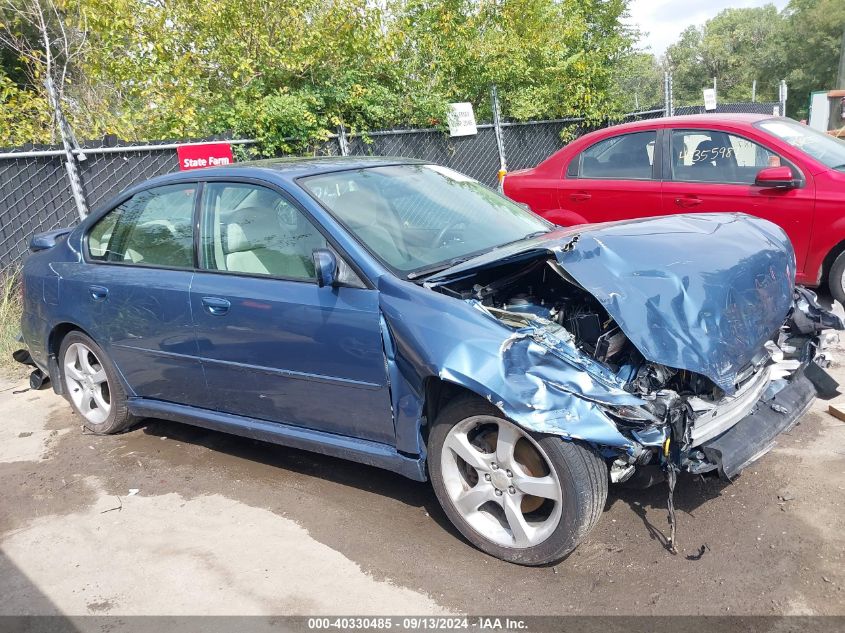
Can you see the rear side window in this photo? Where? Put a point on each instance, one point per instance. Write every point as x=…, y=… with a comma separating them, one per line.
x=624, y=157
x=154, y=227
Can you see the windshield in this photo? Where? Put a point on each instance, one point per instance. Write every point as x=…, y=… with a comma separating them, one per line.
x=823, y=147
x=418, y=217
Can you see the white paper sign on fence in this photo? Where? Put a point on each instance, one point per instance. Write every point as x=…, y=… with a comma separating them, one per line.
x=461, y=120
x=709, y=99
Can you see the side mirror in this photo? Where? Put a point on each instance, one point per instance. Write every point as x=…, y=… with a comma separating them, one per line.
x=325, y=265
x=775, y=177
x=47, y=240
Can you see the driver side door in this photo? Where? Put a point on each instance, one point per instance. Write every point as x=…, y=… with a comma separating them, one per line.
x=714, y=171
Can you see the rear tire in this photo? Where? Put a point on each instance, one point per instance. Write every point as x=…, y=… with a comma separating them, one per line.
x=836, y=278
x=484, y=492
x=91, y=383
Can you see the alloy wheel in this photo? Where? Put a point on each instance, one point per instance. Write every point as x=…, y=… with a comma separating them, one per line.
x=87, y=383
x=501, y=482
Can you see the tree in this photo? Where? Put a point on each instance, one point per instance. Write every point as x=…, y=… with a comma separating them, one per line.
x=801, y=45
x=288, y=72
x=47, y=41
x=737, y=47
x=639, y=81
x=810, y=45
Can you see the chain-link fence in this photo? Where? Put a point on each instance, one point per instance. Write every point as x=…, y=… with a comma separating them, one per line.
x=771, y=108
x=35, y=195
x=35, y=191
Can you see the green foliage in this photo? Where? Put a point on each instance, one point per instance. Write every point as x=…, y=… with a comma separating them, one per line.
x=812, y=40
x=288, y=72
x=639, y=82
x=11, y=307
x=24, y=116
x=737, y=47
x=800, y=44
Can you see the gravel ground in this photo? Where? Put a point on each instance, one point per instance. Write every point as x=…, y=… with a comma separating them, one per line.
x=223, y=525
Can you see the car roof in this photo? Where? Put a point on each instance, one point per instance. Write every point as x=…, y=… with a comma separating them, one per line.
x=674, y=121
x=285, y=169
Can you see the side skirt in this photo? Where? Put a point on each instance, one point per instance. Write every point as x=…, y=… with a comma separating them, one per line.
x=356, y=450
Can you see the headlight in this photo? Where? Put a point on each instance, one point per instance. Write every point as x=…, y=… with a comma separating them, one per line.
x=632, y=413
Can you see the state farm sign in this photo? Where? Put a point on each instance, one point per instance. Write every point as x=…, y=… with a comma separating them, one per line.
x=204, y=155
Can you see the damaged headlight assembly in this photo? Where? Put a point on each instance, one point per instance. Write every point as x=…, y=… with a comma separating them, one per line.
x=640, y=416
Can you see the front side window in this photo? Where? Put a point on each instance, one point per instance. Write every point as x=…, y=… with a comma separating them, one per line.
x=252, y=229
x=152, y=228
x=718, y=157
x=625, y=157
x=414, y=217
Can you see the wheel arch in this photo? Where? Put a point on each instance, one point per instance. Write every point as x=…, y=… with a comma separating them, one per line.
x=827, y=262
x=564, y=217
x=437, y=394
x=54, y=343
x=57, y=335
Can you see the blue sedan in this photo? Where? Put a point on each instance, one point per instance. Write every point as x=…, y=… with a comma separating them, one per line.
x=402, y=315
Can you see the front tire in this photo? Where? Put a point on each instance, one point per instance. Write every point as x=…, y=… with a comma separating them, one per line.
x=522, y=497
x=836, y=278
x=91, y=384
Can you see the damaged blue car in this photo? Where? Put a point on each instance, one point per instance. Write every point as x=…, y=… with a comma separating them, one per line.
x=402, y=315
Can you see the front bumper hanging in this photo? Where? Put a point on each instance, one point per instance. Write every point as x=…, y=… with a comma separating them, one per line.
x=755, y=434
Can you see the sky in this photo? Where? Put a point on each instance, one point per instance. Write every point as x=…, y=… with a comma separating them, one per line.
x=663, y=20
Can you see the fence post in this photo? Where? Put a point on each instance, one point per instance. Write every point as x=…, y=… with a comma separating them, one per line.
x=668, y=106
x=671, y=95
x=497, y=127
x=342, y=141
x=782, y=95
x=69, y=144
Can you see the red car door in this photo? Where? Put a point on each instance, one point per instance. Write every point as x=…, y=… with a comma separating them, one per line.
x=715, y=170
x=613, y=179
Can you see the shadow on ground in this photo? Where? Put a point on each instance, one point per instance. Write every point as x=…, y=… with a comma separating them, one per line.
x=690, y=493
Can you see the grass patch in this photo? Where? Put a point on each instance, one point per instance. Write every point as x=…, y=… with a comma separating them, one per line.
x=11, y=305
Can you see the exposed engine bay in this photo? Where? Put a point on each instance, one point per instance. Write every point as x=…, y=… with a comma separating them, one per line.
x=683, y=412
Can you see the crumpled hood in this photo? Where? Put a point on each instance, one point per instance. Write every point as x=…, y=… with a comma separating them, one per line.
x=696, y=292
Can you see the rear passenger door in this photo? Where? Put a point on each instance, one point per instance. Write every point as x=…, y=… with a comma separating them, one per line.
x=614, y=179
x=274, y=345
x=131, y=292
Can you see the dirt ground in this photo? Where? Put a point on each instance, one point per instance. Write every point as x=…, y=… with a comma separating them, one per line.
x=169, y=519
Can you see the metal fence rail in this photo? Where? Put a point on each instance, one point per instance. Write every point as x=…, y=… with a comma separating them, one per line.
x=476, y=156
x=771, y=108
x=35, y=196
x=35, y=192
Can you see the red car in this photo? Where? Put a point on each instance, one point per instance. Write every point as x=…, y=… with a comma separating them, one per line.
x=774, y=168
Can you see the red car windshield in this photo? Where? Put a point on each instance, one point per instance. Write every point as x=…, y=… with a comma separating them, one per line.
x=823, y=147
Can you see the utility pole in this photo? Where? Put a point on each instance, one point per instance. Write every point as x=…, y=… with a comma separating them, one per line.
x=754, y=91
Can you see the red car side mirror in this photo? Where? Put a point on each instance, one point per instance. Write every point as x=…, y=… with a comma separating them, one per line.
x=775, y=177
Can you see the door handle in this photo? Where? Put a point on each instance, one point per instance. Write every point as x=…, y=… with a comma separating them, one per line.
x=215, y=305
x=688, y=202
x=98, y=293
x=580, y=197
